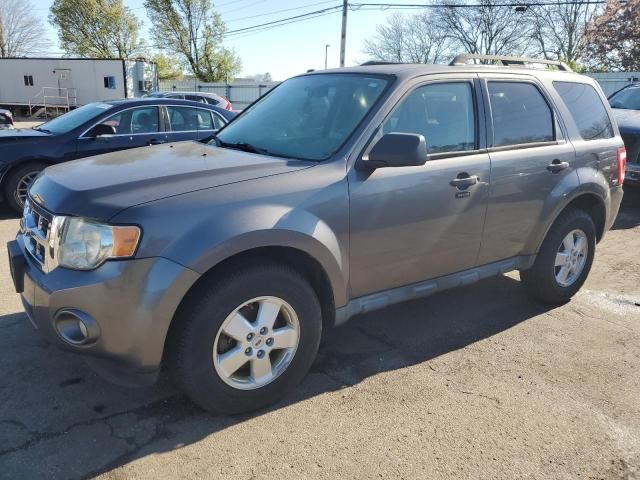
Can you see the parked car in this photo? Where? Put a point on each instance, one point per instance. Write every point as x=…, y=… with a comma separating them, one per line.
x=100, y=128
x=626, y=108
x=6, y=119
x=339, y=192
x=202, y=97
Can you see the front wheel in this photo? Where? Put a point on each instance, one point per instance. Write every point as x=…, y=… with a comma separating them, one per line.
x=248, y=339
x=18, y=183
x=564, y=260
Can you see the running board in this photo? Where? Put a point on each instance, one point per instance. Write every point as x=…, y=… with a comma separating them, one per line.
x=385, y=298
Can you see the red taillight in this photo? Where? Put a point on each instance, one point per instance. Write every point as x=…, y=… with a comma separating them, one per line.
x=622, y=164
x=228, y=107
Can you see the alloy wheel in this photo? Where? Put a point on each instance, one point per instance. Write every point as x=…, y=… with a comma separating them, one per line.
x=256, y=343
x=22, y=189
x=571, y=258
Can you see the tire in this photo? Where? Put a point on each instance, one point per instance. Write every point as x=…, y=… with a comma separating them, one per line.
x=543, y=281
x=14, y=182
x=200, y=331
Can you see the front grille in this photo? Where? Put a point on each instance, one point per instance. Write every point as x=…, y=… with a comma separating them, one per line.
x=35, y=227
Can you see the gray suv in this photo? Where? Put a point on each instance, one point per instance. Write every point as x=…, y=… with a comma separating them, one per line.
x=339, y=192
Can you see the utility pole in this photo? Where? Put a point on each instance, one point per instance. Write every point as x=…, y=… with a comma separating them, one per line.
x=326, y=51
x=343, y=36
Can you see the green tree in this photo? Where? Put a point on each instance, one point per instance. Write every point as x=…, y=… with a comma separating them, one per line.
x=169, y=67
x=96, y=28
x=193, y=30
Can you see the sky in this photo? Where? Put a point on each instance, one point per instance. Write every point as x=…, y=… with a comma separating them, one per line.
x=283, y=51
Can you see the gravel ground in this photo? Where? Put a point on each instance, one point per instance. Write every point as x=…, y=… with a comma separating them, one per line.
x=471, y=383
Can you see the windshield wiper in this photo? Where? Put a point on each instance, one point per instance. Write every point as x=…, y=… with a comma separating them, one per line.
x=44, y=130
x=244, y=146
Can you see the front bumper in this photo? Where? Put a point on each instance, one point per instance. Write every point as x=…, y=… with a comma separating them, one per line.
x=132, y=302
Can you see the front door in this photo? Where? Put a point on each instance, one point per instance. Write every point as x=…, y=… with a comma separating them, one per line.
x=133, y=127
x=530, y=158
x=410, y=224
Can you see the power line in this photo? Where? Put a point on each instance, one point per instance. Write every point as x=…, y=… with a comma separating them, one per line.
x=274, y=22
x=231, y=20
x=258, y=30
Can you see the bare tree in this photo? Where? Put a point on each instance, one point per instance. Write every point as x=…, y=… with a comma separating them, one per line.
x=485, y=28
x=414, y=39
x=558, y=31
x=21, y=32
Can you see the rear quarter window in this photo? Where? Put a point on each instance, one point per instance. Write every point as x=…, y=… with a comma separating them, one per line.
x=586, y=108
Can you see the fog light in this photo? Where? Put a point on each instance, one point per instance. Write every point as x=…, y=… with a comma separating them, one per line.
x=76, y=327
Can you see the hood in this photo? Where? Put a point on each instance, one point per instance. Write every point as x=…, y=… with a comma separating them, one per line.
x=100, y=187
x=20, y=134
x=628, y=120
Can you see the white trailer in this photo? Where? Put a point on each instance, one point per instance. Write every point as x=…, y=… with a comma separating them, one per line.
x=40, y=85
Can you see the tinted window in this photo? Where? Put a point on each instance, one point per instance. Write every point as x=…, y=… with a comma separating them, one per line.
x=194, y=98
x=520, y=114
x=586, y=108
x=627, y=98
x=443, y=113
x=135, y=120
x=184, y=119
x=306, y=117
x=218, y=121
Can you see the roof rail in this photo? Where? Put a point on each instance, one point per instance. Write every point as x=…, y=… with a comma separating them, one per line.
x=371, y=63
x=507, y=61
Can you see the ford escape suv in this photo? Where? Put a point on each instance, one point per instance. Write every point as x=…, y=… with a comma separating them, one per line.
x=337, y=193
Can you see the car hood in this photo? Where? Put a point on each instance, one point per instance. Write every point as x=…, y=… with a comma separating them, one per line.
x=100, y=187
x=20, y=134
x=628, y=120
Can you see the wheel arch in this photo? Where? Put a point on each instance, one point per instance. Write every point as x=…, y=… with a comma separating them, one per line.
x=16, y=165
x=299, y=260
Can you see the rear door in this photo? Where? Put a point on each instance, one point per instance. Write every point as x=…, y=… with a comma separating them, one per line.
x=531, y=163
x=132, y=127
x=189, y=123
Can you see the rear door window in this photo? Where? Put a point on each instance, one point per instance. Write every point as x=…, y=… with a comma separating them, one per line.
x=189, y=119
x=586, y=108
x=442, y=112
x=520, y=114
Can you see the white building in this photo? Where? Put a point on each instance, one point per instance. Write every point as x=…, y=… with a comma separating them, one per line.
x=66, y=82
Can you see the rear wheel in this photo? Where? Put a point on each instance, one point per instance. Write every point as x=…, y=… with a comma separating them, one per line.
x=247, y=340
x=18, y=182
x=564, y=260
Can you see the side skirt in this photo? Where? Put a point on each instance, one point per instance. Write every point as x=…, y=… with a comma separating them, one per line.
x=385, y=298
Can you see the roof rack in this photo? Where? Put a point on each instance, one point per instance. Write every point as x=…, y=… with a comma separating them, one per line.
x=507, y=61
x=371, y=63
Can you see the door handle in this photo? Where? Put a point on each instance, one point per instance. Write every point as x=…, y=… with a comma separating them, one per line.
x=464, y=180
x=557, y=166
x=154, y=141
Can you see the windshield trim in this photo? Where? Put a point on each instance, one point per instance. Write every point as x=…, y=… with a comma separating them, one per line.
x=390, y=78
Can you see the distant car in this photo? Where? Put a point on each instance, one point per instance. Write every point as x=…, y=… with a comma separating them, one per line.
x=626, y=108
x=98, y=128
x=202, y=97
x=6, y=119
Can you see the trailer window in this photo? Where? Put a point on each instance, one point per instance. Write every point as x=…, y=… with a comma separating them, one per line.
x=28, y=80
x=110, y=82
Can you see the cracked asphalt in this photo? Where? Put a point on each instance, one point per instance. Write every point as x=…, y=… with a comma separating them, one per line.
x=471, y=383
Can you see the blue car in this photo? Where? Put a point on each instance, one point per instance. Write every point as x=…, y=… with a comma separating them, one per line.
x=98, y=128
x=626, y=108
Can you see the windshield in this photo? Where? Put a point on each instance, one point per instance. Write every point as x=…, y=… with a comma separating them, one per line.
x=629, y=99
x=73, y=119
x=307, y=117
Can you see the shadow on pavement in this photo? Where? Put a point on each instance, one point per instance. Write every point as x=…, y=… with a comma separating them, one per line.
x=59, y=420
x=6, y=213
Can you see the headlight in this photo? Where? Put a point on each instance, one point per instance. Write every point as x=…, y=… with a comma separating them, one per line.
x=83, y=244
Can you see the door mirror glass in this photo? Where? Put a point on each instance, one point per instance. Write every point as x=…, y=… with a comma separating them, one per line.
x=101, y=130
x=398, y=150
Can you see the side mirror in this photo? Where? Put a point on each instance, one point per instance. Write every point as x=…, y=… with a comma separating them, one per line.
x=398, y=150
x=101, y=130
